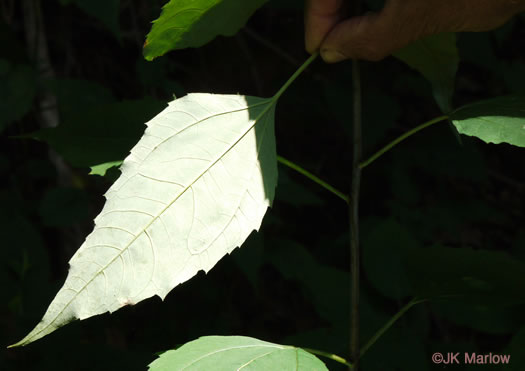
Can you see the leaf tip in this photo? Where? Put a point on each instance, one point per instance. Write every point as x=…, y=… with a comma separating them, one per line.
x=17, y=344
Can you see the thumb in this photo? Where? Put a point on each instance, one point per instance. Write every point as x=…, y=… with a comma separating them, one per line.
x=372, y=37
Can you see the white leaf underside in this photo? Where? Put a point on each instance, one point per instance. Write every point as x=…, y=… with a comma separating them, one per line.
x=194, y=187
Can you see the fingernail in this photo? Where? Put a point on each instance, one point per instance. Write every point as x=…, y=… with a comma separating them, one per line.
x=332, y=56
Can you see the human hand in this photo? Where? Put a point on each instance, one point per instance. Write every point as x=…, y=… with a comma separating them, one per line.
x=374, y=36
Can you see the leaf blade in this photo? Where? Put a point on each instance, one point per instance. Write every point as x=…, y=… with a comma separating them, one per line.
x=148, y=238
x=437, y=58
x=498, y=120
x=480, y=277
x=235, y=353
x=193, y=23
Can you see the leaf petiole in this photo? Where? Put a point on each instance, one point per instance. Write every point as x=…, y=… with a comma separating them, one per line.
x=294, y=76
x=401, y=138
x=389, y=324
x=333, y=357
x=313, y=178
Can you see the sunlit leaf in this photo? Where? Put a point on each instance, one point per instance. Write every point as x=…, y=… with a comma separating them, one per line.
x=193, y=188
x=230, y=353
x=101, y=169
x=193, y=23
x=498, y=120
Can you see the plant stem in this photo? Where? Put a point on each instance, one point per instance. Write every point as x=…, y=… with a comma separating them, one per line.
x=294, y=76
x=399, y=139
x=353, y=211
x=313, y=178
x=332, y=356
x=389, y=324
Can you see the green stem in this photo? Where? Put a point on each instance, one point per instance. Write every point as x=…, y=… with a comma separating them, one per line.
x=294, y=76
x=312, y=177
x=400, y=139
x=389, y=324
x=353, y=214
x=332, y=356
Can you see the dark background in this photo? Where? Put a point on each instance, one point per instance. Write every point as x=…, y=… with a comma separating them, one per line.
x=289, y=283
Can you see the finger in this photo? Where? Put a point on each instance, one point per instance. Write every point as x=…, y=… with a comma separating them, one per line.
x=371, y=37
x=320, y=17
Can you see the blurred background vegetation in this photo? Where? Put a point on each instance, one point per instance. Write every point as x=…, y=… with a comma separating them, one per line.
x=79, y=64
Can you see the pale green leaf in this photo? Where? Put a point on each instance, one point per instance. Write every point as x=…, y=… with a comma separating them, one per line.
x=193, y=23
x=193, y=188
x=436, y=57
x=499, y=120
x=101, y=169
x=233, y=353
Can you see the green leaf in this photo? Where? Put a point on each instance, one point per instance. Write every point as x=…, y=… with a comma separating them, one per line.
x=101, y=134
x=63, y=206
x=75, y=95
x=498, y=120
x=295, y=193
x=436, y=58
x=400, y=348
x=193, y=23
x=17, y=91
x=478, y=277
x=106, y=11
x=229, y=353
x=489, y=319
x=515, y=349
x=158, y=74
x=101, y=169
x=384, y=243
x=193, y=188
x=321, y=282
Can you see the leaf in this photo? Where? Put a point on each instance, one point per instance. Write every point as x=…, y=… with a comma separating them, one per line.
x=101, y=134
x=381, y=120
x=101, y=169
x=158, y=74
x=192, y=189
x=400, y=348
x=321, y=282
x=489, y=319
x=384, y=242
x=296, y=193
x=193, y=23
x=498, y=120
x=76, y=95
x=436, y=58
x=229, y=353
x=63, y=206
x=515, y=349
x=480, y=277
x=105, y=11
x=17, y=91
